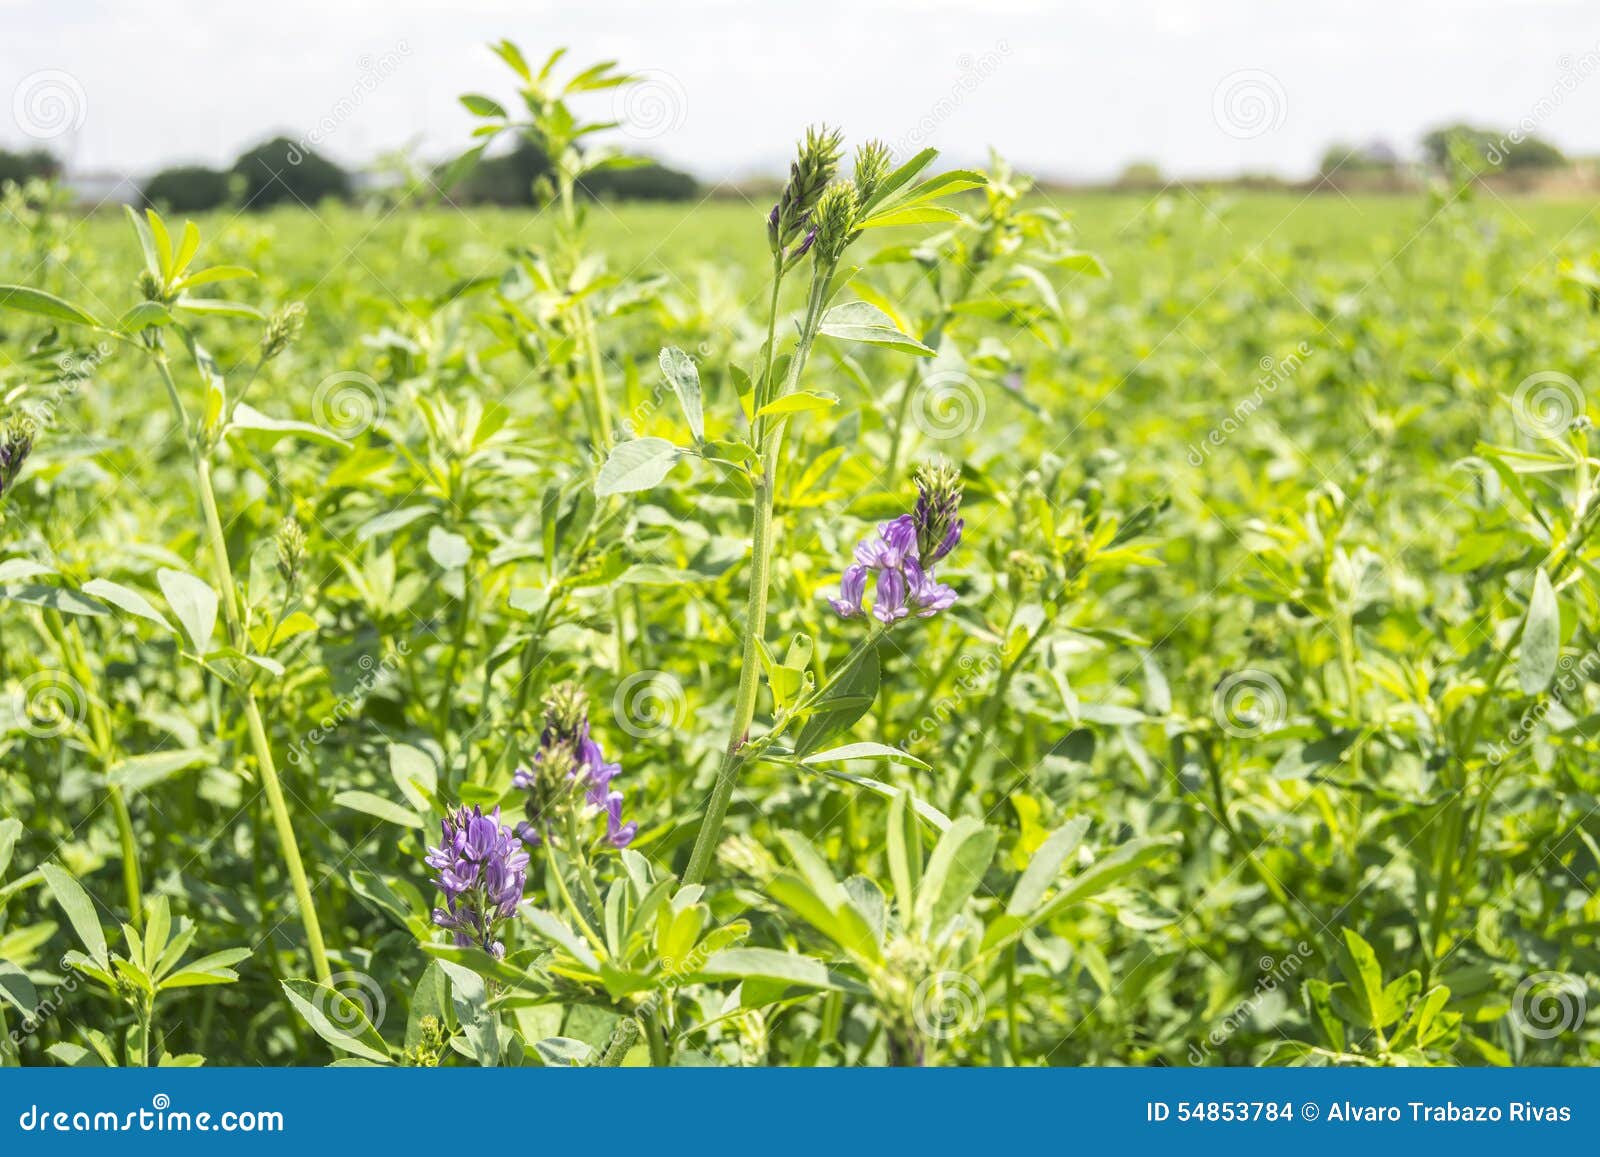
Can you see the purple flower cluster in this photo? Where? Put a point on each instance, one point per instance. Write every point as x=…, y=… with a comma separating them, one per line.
x=482, y=869
x=903, y=553
x=568, y=760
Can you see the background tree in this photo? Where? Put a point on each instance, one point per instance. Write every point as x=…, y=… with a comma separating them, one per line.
x=281, y=170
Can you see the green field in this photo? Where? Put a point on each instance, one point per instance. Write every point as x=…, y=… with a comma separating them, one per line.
x=1261, y=730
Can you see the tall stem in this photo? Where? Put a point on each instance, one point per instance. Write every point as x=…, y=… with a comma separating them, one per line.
x=770, y=445
x=222, y=578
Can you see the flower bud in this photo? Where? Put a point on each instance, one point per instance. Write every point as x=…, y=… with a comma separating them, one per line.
x=283, y=330
x=814, y=166
x=16, y=443
x=834, y=218
x=291, y=543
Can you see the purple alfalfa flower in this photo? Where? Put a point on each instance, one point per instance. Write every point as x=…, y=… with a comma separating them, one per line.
x=851, y=588
x=890, y=604
x=896, y=541
x=903, y=552
x=482, y=869
x=926, y=594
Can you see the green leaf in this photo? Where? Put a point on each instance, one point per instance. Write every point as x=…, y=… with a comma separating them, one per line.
x=837, y=712
x=138, y=772
x=248, y=419
x=383, y=809
x=636, y=465
x=955, y=869
x=41, y=304
x=865, y=750
x=905, y=852
x=800, y=402
x=80, y=910
x=482, y=106
x=337, y=1019
x=785, y=968
x=143, y=316
x=1045, y=866
x=681, y=374
x=1541, y=637
x=415, y=773
x=864, y=322
x=125, y=599
x=447, y=548
x=194, y=603
x=62, y=599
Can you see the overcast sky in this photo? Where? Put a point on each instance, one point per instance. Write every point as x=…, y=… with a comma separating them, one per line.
x=1064, y=88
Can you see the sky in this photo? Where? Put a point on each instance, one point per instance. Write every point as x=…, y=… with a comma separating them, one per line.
x=1064, y=89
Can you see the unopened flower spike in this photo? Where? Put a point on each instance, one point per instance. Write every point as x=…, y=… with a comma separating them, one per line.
x=16, y=443
x=813, y=168
x=291, y=545
x=283, y=330
x=569, y=760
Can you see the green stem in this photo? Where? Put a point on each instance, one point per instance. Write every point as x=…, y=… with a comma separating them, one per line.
x=622, y=1041
x=756, y=601
x=222, y=578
